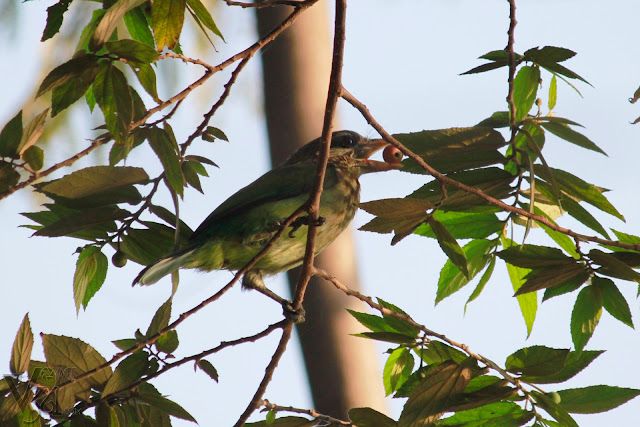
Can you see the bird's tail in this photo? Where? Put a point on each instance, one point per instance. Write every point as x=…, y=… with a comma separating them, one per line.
x=156, y=271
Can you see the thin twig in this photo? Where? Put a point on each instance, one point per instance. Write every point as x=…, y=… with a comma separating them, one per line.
x=512, y=69
x=275, y=359
x=261, y=4
x=268, y=406
x=476, y=191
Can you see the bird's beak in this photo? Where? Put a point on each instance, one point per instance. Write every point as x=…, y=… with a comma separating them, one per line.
x=365, y=150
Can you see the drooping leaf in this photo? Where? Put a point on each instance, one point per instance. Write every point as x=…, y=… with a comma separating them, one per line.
x=482, y=283
x=138, y=27
x=32, y=132
x=595, y=399
x=528, y=302
x=170, y=218
x=147, y=78
x=93, y=180
x=464, y=225
x=611, y=266
x=397, y=369
x=22, y=346
x=525, y=90
x=160, y=319
x=167, y=17
x=65, y=72
x=567, y=274
x=10, y=136
x=503, y=414
x=565, y=132
x=64, y=95
x=201, y=12
x=146, y=246
x=113, y=95
x=449, y=246
x=165, y=405
x=132, y=50
x=400, y=325
x=585, y=316
x=400, y=216
x=553, y=93
x=128, y=371
x=613, y=301
x=208, y=368
x=91, y=271
x=537, y=361
x=162, y=144
x=84, y=220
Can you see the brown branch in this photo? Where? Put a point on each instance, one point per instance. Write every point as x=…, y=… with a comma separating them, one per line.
x=68, y=162
x=277, y=355
x=268, y=406
x=335, y=85
x=512, y=69
x=476, y=191
x=261, y=4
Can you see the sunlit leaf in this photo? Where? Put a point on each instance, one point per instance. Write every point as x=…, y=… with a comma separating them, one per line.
x=585, y=316
x=167, y=17
x=595, y=399
x=21, y=350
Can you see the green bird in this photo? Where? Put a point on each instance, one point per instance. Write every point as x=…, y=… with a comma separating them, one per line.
x=242, y=225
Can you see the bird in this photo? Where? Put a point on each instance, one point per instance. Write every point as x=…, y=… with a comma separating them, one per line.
x=243, y=224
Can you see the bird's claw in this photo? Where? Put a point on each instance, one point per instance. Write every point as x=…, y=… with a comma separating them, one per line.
x=305, y=220
x=295, y=315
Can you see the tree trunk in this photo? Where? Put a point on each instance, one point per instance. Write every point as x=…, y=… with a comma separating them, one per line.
x=343, y=370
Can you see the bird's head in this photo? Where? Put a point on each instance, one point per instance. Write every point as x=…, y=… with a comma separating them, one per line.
x=348, y=148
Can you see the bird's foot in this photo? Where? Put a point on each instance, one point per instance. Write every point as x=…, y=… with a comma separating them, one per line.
x=296, y=316
x=305, y=220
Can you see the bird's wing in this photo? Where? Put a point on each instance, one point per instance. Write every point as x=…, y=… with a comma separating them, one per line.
x=283, y=182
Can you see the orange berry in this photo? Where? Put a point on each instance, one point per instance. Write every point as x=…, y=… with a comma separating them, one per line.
x=391, y=154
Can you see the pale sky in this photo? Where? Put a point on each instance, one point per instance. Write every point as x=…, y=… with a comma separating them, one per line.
x=403, y=60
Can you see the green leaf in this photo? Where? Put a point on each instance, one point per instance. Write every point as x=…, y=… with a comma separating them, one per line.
x=130, y=370
x=114, y=98
x=8, y=176
x=449, y=246
x=10, y=137
x=398, y=324
x=146, y=246
x=525, y=90
x=69, y=70
x=34, y=156
x=162, y=144
x=89, y=29
x=167, y=17
x=502, y=414
x=559, y=69
x=486, y=67
x=400, y=216
x=216, y=133
x=452, y=279
x=585, y=316
x=437, y=352
x=147, y=78
x=132, y=50
x=499, y=119
x=138, y=27
x=94, y=180
x=191, y=176
x=160, y=319
x=373, y=322
x=91, y=271
x=74, y=353
x=555, y=410
x=367, y=417
x=569, y=274
x=464, y=225
x=532, y=256
x=208, y=368
x=205, y=17
x=125, y=343
x=166, y=406
x=32, y=132
x=528, y=302
x=553, y=93
x=84, y=220
x=397, y=369
x=54, y=19
x=21, y=350
x=110, y=21
x=482, y=283
x=170, y=218
x=548, y=54
x=443, y=385
x=595, y=399
x=168, y=342
x=575, y=363
x=565, y=132
x=73, y=89
x=611, y=266
x=537, y=361
x=574, y=209
x=613, y=301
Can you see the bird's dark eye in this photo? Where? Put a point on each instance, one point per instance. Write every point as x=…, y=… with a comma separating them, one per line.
x=346, y=141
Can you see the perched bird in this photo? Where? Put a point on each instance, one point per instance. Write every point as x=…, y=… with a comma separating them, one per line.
x=241, y=226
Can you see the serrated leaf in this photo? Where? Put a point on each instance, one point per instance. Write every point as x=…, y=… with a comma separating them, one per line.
x=452, y=279
x=525, y=90
x=548, y=54
x=533, y=256
x=74, y=88
x=397, y=369
x=99, y=217
x=34, y=156
x=585, y=316
x=32, y=132
x=482, y=283
x=10, y=137
x=163, y=146
x=65, y=72
x=437, y=352
x=568, y=274
x=160, y=318
x=138, y=27
x=613, y=301
x=74, y=353
x=113, y=95
x=22, y=346
x=167, y=17
x=537, y=361
x=565, y=132
x=191, y=176
x=400, y=216
x=392, y=337
x=168, y=342
x=147, y=78
x=398, y=324
x=208, y=368
x=367, y=417
x=128, y=371
x=132, y=50
x=166, y=406
x=170, y=218
x=125, y=343
x=503, y=414
x=111, y=196
x=574, y=209
x=93, y=180
x=528, y=302
x=575, y=363
x=464, y=225
x=55, y=16
x=449, y=246
x=555, y=410
x=595, y=399
x=91, y=271
x=373, y=322
x=611, y=266
x=146, y=246
x=443, y=385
